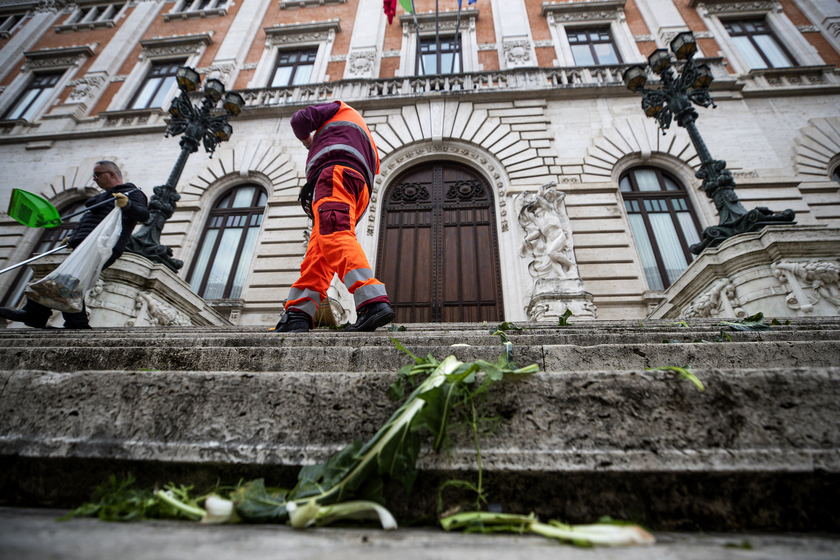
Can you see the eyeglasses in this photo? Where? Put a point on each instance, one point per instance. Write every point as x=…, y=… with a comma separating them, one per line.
x=96, y=174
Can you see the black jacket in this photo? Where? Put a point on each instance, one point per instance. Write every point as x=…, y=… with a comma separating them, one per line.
x=137, y=210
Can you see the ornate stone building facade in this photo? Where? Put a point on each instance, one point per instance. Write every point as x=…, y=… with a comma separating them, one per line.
x=519, y=176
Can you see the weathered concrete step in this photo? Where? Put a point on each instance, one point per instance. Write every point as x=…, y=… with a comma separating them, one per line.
x=388, y=358
x=163, y=339
x=767, y=437
x=437, y=329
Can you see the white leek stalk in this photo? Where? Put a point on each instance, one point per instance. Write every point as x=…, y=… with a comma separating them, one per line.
x=218, y=510
x=604, y=534
x=313, y=514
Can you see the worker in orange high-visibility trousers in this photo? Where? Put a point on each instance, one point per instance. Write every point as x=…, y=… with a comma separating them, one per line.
x=340, y=168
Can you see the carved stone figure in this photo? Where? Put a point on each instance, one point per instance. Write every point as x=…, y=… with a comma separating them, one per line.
x=548, y=235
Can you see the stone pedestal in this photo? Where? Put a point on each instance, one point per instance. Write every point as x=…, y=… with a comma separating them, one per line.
x=134, y=292
x=553, y=296
x=781, y=271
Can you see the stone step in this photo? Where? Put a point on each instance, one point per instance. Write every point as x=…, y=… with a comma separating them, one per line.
x=249, y=338
x=315, y=358
x=571, y=445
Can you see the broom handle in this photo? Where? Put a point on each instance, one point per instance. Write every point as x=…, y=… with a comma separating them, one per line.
x=90, y=208
x=36, y=257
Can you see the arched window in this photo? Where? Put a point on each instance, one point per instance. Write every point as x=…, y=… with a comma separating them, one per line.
x=663, y=222
x=50, y=239
x=228, y=242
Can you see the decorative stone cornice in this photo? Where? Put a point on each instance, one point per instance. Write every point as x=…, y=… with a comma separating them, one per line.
x=668, y=36
x=583, y=11
x=157, y=47
x=62, y=57
x=291, y=4
x=18, y=8
x=192, y=14
x=53, y=6
x=739, y=7
x=291, y=33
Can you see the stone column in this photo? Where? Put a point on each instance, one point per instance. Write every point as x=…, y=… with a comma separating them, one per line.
x=88, y=89
x=366, y=42
x=513, y=34
x=237, y=42
x=12, y=52
x=663, y=20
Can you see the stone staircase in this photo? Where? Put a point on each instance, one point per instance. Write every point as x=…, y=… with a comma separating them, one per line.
x=592, y=434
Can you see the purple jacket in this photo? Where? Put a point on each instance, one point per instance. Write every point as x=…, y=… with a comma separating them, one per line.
x=334, y=145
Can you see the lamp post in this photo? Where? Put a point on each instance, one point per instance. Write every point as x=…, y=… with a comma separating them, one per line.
x=197, y=124
x=674, y=100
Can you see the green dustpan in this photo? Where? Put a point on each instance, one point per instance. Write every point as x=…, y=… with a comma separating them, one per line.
x=32, y=210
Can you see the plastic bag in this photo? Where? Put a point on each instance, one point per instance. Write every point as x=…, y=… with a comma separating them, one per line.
x=65, y=287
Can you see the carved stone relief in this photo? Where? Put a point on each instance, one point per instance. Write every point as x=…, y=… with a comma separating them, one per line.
x=218, y=71
x=807, y=283
x=50, y=6
x=361, y=63
x=719, y=301
x=84, y=87
x=517, y=52
x=160, y=314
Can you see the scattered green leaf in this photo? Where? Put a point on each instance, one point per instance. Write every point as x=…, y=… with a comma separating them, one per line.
x=753, y=323
x=564, y=318
x=682, y=324
x=396, y=328
x=777, y=323
x=683, y=373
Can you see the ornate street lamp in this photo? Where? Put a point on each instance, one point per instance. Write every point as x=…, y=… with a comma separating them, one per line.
x=674, y=100
x=197, y=124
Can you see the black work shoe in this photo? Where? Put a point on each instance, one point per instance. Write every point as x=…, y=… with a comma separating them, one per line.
x=20, y=316
x=372, y=316
x=294, y=321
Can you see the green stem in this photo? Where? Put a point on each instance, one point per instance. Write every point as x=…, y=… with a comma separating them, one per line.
x=479, y=491
x=179, y=505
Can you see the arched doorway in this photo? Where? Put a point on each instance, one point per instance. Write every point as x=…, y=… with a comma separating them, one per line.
x=438, y=246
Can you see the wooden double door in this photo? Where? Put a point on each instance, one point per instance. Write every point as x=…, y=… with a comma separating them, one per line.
x=438, y=247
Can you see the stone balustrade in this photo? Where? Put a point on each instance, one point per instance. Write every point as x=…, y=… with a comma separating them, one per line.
x=522, y=79
x=794, y=77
